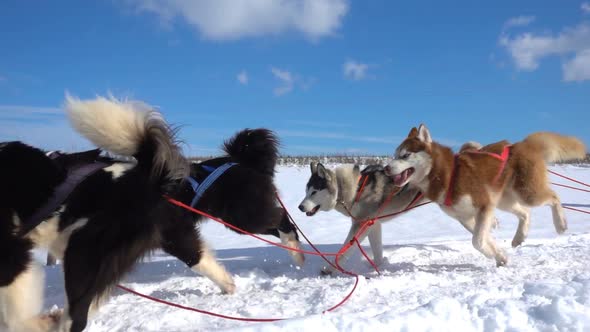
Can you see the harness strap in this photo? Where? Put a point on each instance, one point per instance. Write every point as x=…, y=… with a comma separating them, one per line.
x=200, y=188
x=360, y=191
x=75, y=176
x=503, y=157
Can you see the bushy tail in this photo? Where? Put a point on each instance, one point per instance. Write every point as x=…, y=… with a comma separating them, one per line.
x=555, y=147
x=255, y=148
x=129, y=128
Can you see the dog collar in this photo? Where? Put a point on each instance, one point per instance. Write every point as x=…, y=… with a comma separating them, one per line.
x=200, y=188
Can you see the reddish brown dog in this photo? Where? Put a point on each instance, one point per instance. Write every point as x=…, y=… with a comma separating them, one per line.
x=470, y=185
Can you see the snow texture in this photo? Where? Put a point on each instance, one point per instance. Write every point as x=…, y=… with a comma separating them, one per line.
x=432, y=278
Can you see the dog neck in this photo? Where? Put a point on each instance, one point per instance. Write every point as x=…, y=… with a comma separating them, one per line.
x=438, y=180
x=346, y=183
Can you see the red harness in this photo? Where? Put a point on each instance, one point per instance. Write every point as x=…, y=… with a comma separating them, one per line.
x=502, y=157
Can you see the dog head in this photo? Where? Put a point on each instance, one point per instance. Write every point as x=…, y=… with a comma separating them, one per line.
x=321, y=191
x=412, y=160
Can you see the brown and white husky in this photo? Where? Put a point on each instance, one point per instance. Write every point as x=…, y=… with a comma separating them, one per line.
x=470, y=185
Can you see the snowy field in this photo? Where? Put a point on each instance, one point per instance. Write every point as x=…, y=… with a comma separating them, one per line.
x=432, y=278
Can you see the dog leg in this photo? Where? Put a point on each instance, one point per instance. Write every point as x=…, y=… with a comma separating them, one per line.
x=523, y=215
x=188, y=248
x=544, y=195
x=354, y=228
x=210, y=268
x=289, y=238
x=22, y=301
x=559, y=220
x=483, y=241
x=375, y=240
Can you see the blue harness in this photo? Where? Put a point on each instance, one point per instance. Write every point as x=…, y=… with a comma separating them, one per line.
x=200, y=188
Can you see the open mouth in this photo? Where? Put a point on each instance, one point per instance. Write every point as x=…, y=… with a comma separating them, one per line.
x=313, y=211
x=401, y=178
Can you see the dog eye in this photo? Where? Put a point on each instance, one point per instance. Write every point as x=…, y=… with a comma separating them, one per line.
x=313, y=193
x=405, y=156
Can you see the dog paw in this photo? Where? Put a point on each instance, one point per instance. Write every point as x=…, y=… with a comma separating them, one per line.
x=518, y=240
x=326, y=271
x=561, y=228
x=299, y=258
x=378, y=261
x=228, y=289
x=48, y=321
x=501, y=261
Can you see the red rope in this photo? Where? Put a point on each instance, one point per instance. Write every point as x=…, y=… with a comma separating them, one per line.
x=334, y=265
x=184, y=206
x=366, y=256
x=574, y=209
x=317, y=252
x=568, y=178
x=243, y=319
x=570, y=187
x=358, y=195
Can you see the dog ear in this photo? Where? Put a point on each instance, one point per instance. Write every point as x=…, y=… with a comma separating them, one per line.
x=322, y=172
x=413, y=133
x=424, y=134
x=313, y=166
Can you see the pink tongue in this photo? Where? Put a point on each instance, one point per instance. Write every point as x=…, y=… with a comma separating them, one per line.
x=400, y=178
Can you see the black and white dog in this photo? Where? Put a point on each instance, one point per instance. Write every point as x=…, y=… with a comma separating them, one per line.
x=119, y=213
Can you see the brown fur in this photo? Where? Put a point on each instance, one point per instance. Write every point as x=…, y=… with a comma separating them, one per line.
x=477, y=190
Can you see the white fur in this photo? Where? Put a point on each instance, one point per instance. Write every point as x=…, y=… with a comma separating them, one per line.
x=21, y=303
x=46, y=232
x=290, y=240
x=315, y=197
x=111, y=124
x=424, y=134
x=420, y=161
x=209, y=267
x=118, y=169
x=59, y=246
x=343, y=189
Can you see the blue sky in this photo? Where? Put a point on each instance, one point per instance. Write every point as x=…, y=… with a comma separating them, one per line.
x=329, y=76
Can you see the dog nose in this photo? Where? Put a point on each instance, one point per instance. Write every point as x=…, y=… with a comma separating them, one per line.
x=301, y=208
x=387, y=169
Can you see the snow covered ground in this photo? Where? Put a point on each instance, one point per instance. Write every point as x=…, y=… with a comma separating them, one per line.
x=432, y=278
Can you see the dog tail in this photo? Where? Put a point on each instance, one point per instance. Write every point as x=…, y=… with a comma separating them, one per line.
x=255, y=148
x=129, y=128
x=555, y=147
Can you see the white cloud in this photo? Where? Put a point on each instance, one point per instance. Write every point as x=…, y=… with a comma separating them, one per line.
x=578, y=68
x=585, y=7
x=519, y=21
x=20, y=111
x=242, y=77
x=235, y=19
x=354, y=70
x=287, y=81
x=528, y=49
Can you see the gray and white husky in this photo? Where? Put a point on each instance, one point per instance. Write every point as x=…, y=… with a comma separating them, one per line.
x=338, y=189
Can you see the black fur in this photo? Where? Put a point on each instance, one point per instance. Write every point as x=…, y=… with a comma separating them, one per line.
x=245, y=196
x=27, y=180
x=127, y=217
